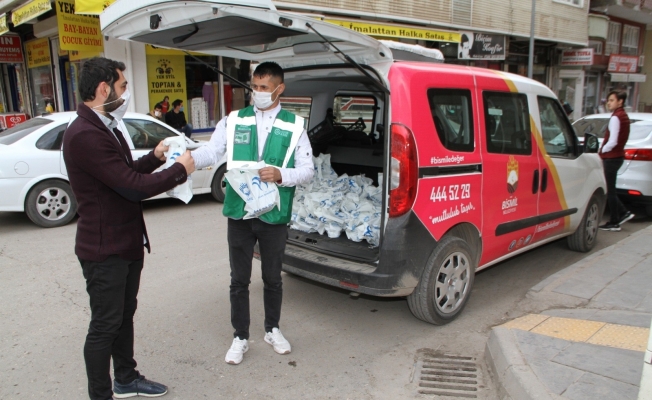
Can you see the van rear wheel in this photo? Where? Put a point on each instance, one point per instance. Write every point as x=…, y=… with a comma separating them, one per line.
x=585, y=237
x=445, y=286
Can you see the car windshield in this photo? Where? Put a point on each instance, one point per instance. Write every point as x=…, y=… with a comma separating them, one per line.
x=640, y=130
x=19, y=131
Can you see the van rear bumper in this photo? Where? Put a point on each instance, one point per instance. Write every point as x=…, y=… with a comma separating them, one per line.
x=405, y=249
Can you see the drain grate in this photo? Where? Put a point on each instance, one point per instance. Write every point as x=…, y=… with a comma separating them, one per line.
x=447, y=375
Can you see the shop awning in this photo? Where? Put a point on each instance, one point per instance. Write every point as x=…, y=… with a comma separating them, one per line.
x=30, y=11
x=3, y=24
x=397, y=31
x=628, y=77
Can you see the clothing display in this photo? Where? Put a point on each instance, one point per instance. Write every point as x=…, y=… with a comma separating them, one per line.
x=199, y=112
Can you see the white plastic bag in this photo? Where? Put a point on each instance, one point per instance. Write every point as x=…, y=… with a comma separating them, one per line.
x=259, y=197
x=177, y=147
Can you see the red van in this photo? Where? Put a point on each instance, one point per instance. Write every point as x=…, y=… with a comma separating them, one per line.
x=478, y=165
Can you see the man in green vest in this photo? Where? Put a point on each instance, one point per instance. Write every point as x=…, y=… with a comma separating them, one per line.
x=262, y=132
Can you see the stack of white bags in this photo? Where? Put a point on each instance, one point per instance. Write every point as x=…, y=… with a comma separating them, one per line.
x=332, y=204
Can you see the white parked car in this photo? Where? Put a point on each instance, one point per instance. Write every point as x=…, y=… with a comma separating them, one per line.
x=634, y=184
x=33, y=177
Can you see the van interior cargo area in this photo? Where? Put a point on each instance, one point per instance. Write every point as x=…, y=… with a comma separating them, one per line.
x=352, y=135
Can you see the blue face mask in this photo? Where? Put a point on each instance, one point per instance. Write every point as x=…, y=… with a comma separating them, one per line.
x=181, y=109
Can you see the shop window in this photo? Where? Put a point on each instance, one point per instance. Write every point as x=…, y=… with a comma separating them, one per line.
x=452, y=115
x=52, y=140
x=557, y=133
x=147, y=134
x=630, y=40
x=355, y=112
x=613, y=38
x=507, y=120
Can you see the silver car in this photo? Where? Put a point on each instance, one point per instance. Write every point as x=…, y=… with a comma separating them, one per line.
x=634, y=184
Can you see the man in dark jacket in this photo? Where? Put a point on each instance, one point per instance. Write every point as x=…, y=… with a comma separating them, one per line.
x=109, y=186
x=177, y=119
x=612, y=153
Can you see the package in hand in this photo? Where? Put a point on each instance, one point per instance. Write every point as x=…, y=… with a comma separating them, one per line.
x=259, y=197
x=177, y=146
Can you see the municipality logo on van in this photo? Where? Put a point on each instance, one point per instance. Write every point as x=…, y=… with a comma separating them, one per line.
x=512, y=175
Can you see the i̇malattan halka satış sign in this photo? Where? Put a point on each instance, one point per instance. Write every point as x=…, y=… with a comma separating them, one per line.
x=78, y=32
x=30, y=10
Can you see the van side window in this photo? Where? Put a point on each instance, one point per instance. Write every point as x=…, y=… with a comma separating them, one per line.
x=451, y=113
x=507, y=120
x=557, y=134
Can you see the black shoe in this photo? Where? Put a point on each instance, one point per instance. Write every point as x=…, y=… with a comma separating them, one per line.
x=628, y=215
x=610, y=227
x=139, y=387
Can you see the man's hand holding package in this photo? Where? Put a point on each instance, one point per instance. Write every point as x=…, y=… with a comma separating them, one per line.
x=270, y=174
x=187, y=161
x=160, y=150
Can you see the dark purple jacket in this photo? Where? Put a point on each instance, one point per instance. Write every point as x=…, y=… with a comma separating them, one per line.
x=109, y=187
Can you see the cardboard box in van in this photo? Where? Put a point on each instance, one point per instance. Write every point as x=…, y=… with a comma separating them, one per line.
x=473, y=166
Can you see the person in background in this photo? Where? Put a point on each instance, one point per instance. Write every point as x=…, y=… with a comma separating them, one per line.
x=612, y=153
x=177, y=119
x=262, y=132
x=157, y=112
x=109, y=187
x=165, y=104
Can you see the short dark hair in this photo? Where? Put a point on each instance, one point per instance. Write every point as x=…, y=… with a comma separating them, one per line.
x=269, y=68
x=620, y=95
x=465, y=38
x=176, y=103
x=158, y=106
x=95, y=71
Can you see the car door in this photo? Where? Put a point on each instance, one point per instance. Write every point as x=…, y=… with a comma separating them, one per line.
x=146, y=135
x=509, y=172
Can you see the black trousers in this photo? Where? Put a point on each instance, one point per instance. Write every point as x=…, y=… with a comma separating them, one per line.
x=616, y=207
x=242, y=236
x=112, y=286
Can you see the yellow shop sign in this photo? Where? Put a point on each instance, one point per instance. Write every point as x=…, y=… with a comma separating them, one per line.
x=78, y=32
x=91, y=7
x=30, y=10
x=38, y=52
x=397, y=31
x=3, y=24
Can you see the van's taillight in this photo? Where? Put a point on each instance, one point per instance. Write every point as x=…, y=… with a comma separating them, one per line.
x=638, y=154
x=404, y=171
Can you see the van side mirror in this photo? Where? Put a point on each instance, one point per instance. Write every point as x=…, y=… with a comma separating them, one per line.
x=591, y=143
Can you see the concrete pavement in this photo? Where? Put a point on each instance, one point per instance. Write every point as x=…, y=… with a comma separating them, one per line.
x=588, y=330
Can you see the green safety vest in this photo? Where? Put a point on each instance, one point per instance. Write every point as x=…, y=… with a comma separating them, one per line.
x=242, y=149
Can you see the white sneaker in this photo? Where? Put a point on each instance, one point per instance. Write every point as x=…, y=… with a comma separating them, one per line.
x=276, y=339
x=237, y=350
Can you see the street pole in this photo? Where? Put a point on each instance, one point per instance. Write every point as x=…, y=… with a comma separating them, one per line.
x=530, y=61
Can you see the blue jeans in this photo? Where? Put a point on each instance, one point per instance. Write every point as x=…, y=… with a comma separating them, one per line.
x=187, y=130
x=242, y=236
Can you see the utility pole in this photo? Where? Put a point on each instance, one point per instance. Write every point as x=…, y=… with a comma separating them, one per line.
x=530, y=61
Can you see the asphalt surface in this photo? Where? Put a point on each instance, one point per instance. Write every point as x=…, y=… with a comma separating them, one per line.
x=342, y=347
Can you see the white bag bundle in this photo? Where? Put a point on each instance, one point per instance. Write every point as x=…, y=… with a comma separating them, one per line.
x=177, y=147
x=259, y=197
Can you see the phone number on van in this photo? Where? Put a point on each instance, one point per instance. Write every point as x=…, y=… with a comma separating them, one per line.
x=452, y=192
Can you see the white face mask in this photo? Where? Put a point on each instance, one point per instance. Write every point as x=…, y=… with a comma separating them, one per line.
x=157, y=113
x=119, y=112
x=263, y=100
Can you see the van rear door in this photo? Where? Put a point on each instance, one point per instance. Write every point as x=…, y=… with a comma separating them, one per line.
x=247, y=29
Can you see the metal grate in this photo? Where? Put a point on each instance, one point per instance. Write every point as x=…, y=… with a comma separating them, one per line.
x=447, y=375
x=462, y=12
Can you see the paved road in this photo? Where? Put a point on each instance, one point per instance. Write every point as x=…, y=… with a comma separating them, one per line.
x=343, y=348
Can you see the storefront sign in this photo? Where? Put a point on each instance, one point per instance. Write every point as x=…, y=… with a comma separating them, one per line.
x=3, y=24
x=481, y=46
x=38, y=52
x=628, y=77
x=621, y=63
x=166, y=75
x=397, y=31
x=78, y=32
x=577, y=57
x=11, y=49
x=91, y=7
x=30, y=10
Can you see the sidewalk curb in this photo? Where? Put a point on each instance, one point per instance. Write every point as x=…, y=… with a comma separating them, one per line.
x=514, y=377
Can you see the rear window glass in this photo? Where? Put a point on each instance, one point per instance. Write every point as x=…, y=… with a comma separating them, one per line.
x=355, y=112
x=507, y=120
x=452, y=116
x=639, y=131
x=596, y=126
x=52, y=140
x=15, y=133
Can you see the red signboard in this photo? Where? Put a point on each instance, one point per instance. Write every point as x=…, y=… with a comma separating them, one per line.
x=11, y=50
x=577, y=57
x=621, y=63
x=8, y=120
